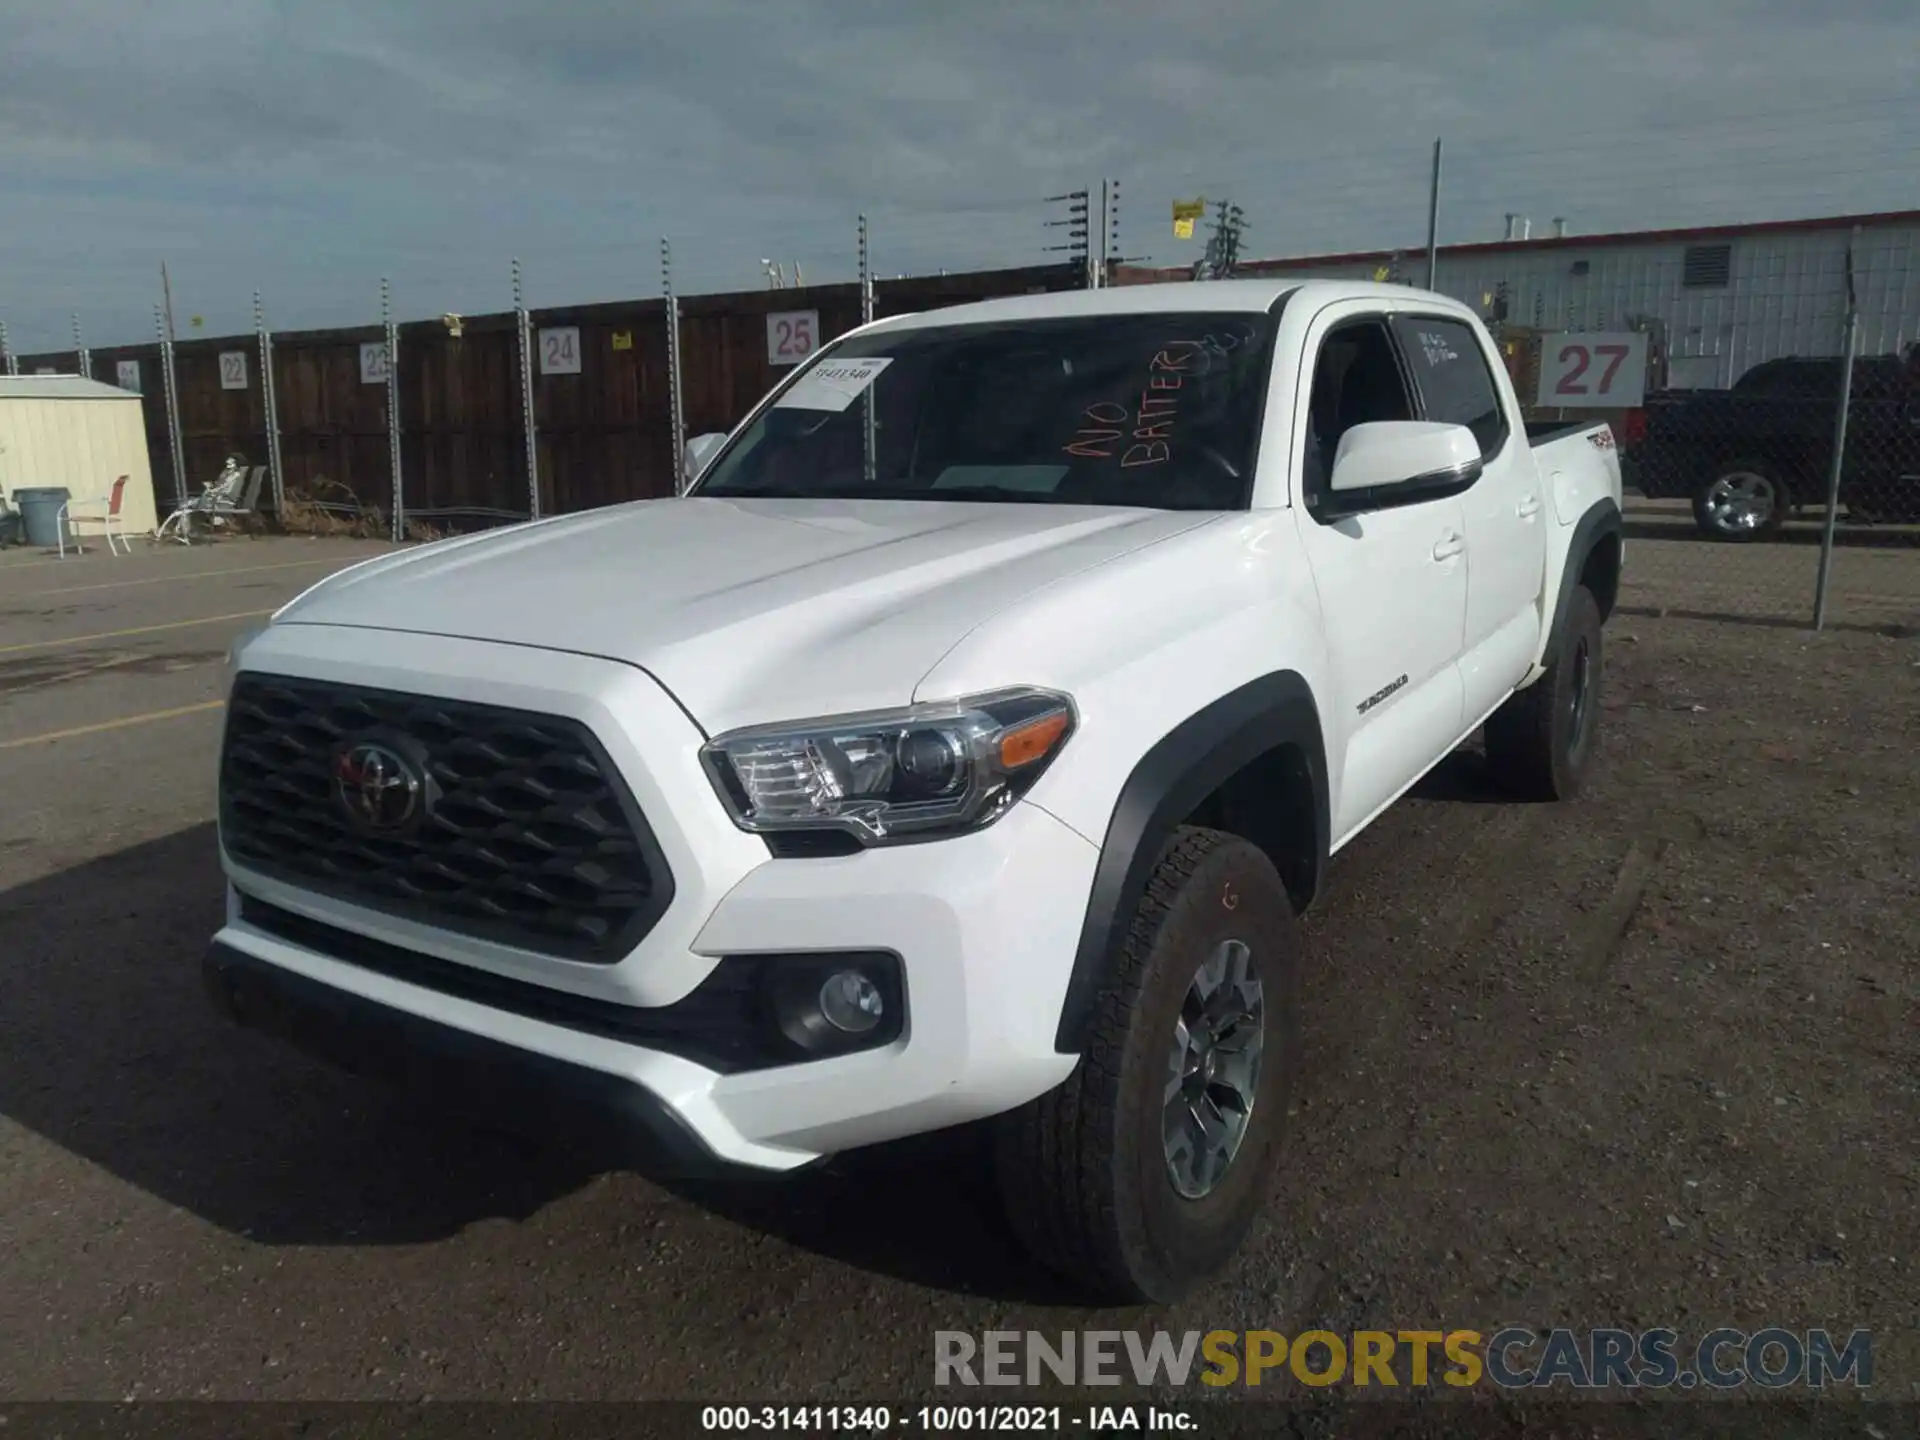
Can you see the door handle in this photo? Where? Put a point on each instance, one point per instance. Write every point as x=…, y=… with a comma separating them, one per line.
x=1448, y=545
x=1529, y=507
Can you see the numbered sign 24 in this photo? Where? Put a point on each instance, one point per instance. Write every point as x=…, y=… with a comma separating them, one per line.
x=127, y=374
x=233, y=369
x=560, y=350
x=1593, y=370
x=792, y=335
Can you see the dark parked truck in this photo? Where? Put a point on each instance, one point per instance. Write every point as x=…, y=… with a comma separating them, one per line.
x=1749, y=457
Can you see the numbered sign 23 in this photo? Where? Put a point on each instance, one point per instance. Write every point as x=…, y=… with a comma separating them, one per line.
x=233, y=369
x=373, y=363
x=1593, y=369
x=560, y=350
x=792, y=335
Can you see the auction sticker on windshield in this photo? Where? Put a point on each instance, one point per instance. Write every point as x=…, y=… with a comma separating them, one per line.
x=832, y=386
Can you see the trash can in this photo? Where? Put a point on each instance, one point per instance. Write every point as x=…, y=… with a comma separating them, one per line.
x=40, y=514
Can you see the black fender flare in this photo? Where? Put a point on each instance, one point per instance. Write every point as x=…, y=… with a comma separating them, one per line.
x=1171, y=779
x=1601, y=520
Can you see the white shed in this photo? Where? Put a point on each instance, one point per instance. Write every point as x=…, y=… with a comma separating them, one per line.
x=64, y=430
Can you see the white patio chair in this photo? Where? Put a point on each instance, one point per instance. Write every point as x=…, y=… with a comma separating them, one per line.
x=224, y=491
x=104, y=511
x=242, y=506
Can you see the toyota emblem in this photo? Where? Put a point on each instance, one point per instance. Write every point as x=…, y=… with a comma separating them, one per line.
x=377, y=786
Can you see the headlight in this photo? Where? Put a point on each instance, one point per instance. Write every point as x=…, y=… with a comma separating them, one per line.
x=892, y=775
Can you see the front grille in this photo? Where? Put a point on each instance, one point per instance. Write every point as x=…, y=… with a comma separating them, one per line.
x=525, y=834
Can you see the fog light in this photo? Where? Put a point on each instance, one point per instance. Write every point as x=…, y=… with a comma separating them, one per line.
x=833, y=1003
x=851, y=1002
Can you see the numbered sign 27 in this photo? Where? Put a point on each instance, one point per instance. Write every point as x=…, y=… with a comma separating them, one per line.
x=1593, y=370
x=792, y=335
x=233, y=369
x=560, y=350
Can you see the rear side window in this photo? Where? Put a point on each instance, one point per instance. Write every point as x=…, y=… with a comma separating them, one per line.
x=1450, y=370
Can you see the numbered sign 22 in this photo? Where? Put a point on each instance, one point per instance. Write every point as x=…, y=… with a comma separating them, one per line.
x=373, y=363
x=560, y=350
x=127, y=375
x=792, y=335
x=233, y=369
x=1593, y=369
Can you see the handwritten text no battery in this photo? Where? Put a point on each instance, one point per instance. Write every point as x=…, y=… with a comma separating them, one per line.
x=1106, y=421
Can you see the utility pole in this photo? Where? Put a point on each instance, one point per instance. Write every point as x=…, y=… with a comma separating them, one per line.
x=1075, y=224
x=1837, y=462
x=175, y=448
x=166, y=297
x=869, y=464
x=176, y=442
x=392, y=333
x=1098, y=274
x=523, y=345
x=1223, y=246
x=270, y=405
x=1433, y=220
x=677, y=421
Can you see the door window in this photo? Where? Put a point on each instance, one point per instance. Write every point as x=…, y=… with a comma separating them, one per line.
x=1357, y=380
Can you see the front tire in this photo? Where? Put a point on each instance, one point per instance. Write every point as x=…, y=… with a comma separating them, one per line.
x=1745, y=500
x=1541, y=743
x=1140, y=1177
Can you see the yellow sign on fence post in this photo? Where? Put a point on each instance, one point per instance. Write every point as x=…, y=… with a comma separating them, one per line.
x=1185, y=212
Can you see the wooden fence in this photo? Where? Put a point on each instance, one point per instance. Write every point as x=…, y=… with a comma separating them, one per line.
x=605, y=433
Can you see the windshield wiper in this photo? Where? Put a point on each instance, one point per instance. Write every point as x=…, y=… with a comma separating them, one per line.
x=966, y=492
x=899, y=492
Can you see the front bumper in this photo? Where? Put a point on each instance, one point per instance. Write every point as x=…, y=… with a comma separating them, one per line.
x=520, y=1089
x=985, y=927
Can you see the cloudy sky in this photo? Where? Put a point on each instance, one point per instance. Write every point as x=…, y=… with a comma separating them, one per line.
x=309, y=147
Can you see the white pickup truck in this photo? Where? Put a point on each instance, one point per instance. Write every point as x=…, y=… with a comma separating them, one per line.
x=961, y=747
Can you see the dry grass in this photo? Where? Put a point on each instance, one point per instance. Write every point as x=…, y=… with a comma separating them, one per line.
x=326, y=507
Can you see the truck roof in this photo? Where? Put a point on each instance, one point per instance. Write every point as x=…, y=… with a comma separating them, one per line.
x=1208, y=297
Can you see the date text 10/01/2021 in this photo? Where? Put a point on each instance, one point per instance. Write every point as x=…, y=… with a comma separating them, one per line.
x=879, y=1419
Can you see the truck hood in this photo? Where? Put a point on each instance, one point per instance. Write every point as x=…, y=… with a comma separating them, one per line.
x=748, y=610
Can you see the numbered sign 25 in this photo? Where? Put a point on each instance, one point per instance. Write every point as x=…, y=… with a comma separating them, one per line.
x=560, y=350
x=1593, y=370
x=792, y=335
x=233, y=369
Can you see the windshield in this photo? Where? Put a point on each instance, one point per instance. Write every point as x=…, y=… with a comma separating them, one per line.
x=1156, y=411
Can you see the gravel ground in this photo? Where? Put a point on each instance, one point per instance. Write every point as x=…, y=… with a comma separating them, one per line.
x=1648, y=1059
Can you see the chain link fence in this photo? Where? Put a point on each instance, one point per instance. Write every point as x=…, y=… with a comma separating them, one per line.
x=1764, y=385
x=1764, y=382
x=1765, y=397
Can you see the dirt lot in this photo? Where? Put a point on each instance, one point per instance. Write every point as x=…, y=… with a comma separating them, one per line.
x=1651, y=1059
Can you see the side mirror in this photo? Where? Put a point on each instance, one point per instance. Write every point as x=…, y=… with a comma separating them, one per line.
x=1398, y=455
x=700, y=450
